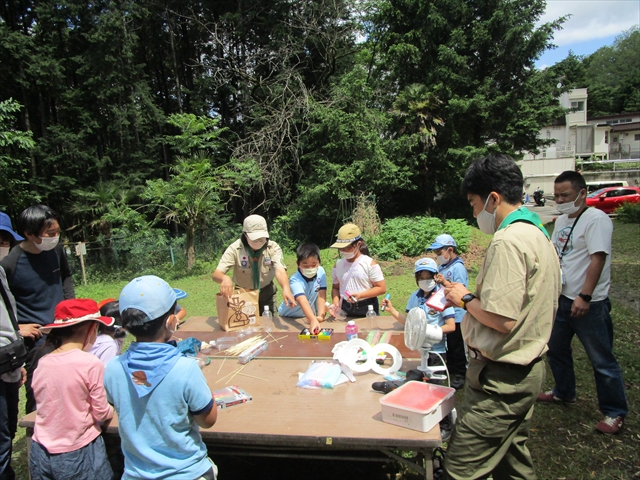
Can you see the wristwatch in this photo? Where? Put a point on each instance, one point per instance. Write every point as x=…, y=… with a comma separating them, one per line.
x=585, y=297
x=466, y=299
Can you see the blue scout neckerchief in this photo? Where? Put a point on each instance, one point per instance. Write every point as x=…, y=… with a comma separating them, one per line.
x=147, y=363
x=522, y=214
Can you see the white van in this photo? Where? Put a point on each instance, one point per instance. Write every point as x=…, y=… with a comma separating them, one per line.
x=593, y=186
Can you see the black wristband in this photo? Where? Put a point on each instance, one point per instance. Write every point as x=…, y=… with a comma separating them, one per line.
x=466, y=299
x=585, y=297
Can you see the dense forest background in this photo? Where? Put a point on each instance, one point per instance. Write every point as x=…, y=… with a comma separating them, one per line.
x=188, y=115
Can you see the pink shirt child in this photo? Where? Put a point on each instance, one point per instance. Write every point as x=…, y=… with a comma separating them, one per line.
x=71, y=400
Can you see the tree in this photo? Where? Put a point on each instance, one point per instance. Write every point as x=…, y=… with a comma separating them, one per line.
x=478, y=59
x=613, y=75
x=14, y=146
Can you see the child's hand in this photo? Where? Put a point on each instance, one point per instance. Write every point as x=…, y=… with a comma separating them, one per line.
x=314, y=325
x=320, y=318
x=386, y=303
x=439, y=278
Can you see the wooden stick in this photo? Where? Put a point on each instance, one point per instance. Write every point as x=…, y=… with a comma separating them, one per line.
x=252, y=376
x=222, y=363
x=233, y=372
x=272, y=336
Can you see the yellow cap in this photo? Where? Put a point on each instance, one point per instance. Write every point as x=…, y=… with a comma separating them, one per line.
x=348, y=234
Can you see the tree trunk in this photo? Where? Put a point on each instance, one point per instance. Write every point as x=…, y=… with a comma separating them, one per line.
x=190, y=244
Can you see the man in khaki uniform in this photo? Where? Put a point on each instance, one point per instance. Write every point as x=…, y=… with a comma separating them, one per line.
x=255, y=260
x=507, y=326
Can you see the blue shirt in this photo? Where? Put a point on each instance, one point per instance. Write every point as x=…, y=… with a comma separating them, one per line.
x=300, y=285
x=455, y=271
x=419, y=299
x=160, y=438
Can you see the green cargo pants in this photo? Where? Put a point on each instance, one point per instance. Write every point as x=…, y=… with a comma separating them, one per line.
x=493, y=428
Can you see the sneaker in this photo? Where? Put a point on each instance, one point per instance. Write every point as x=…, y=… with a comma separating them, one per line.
x=610, y=425
x=457, y=382
x=550, y=397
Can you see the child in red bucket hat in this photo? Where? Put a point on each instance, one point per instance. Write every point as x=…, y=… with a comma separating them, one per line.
x=70, y=397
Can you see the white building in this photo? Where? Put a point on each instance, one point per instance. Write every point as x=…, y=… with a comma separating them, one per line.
x=612, y=141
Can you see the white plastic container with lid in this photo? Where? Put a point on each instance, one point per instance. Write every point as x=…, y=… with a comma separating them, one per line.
x=417, y=405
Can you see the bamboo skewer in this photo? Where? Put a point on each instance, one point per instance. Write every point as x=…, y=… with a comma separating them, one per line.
x=232, y=373
x=236, y=373
x=222, y=363
x=252, y=376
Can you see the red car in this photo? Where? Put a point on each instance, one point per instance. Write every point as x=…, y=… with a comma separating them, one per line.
x=608, y=199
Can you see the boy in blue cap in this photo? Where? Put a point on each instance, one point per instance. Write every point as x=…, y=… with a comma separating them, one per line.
x=161, y=397
x=425, y=271
x=452, y=268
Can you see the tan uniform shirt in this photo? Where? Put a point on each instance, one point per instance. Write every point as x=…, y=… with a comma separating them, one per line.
x=236, y=256
x=519, y=279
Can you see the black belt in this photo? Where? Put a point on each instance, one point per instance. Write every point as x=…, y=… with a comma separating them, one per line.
x=477, y=355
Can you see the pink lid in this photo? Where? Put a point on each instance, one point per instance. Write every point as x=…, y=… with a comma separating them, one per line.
x=419, y=397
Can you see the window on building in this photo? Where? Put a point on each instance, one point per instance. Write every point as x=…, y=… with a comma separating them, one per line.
x=606, y=137
x=578, y=106
x=636, y=137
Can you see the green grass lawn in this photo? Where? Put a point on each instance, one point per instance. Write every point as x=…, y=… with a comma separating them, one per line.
x=563, y=442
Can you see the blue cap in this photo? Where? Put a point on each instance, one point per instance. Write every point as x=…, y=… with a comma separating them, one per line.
x=149, y=294
x=427, y=264
x=442, y=241
x=5, y=224
x=180, y=294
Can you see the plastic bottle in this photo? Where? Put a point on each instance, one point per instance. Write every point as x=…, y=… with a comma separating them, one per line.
x=351, y=330
x=336, y=312
x=267, y=313
x=371, y=315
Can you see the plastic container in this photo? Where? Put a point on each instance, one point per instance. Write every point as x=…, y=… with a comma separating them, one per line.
x=417, y=405
x=351, y=330
x=336, y=312
x=371, y=315
x=267, y=313
x=223, y=343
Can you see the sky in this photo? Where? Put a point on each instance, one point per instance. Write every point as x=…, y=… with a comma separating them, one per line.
x=593, y=24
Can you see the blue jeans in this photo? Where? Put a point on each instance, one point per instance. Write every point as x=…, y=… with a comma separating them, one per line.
x=595, y=331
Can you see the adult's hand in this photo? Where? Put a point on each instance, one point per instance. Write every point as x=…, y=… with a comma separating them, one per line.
x=580, y=307
x=454, y=292
x=288, y=298
x=226, y=286
x=30, y=330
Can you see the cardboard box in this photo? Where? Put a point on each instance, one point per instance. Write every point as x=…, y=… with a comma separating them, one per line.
x=417, y=405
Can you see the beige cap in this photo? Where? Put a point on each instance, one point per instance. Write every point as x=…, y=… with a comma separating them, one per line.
x=347, y=234
x=255, y=227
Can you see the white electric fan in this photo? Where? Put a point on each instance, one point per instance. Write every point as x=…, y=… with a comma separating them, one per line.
x=420, y=335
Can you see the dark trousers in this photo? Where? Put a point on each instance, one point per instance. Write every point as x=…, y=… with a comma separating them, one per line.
x=36, y=352
x=456, y=356
x=360, y=308
x=8, y=424
x=268, y=297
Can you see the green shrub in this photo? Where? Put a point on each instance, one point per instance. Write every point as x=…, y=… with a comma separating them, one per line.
x=410, y=236
x=629, y=212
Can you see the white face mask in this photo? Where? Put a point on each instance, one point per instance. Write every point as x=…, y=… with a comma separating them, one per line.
x=442, y=260
x=90, y=340
x=570, y=208
x=309, y=272
x=48, y=243
x=175, y=325
x=487, y=221
x=4, y=251
x=347, y=255
x=427, y=285
x=257, y=244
